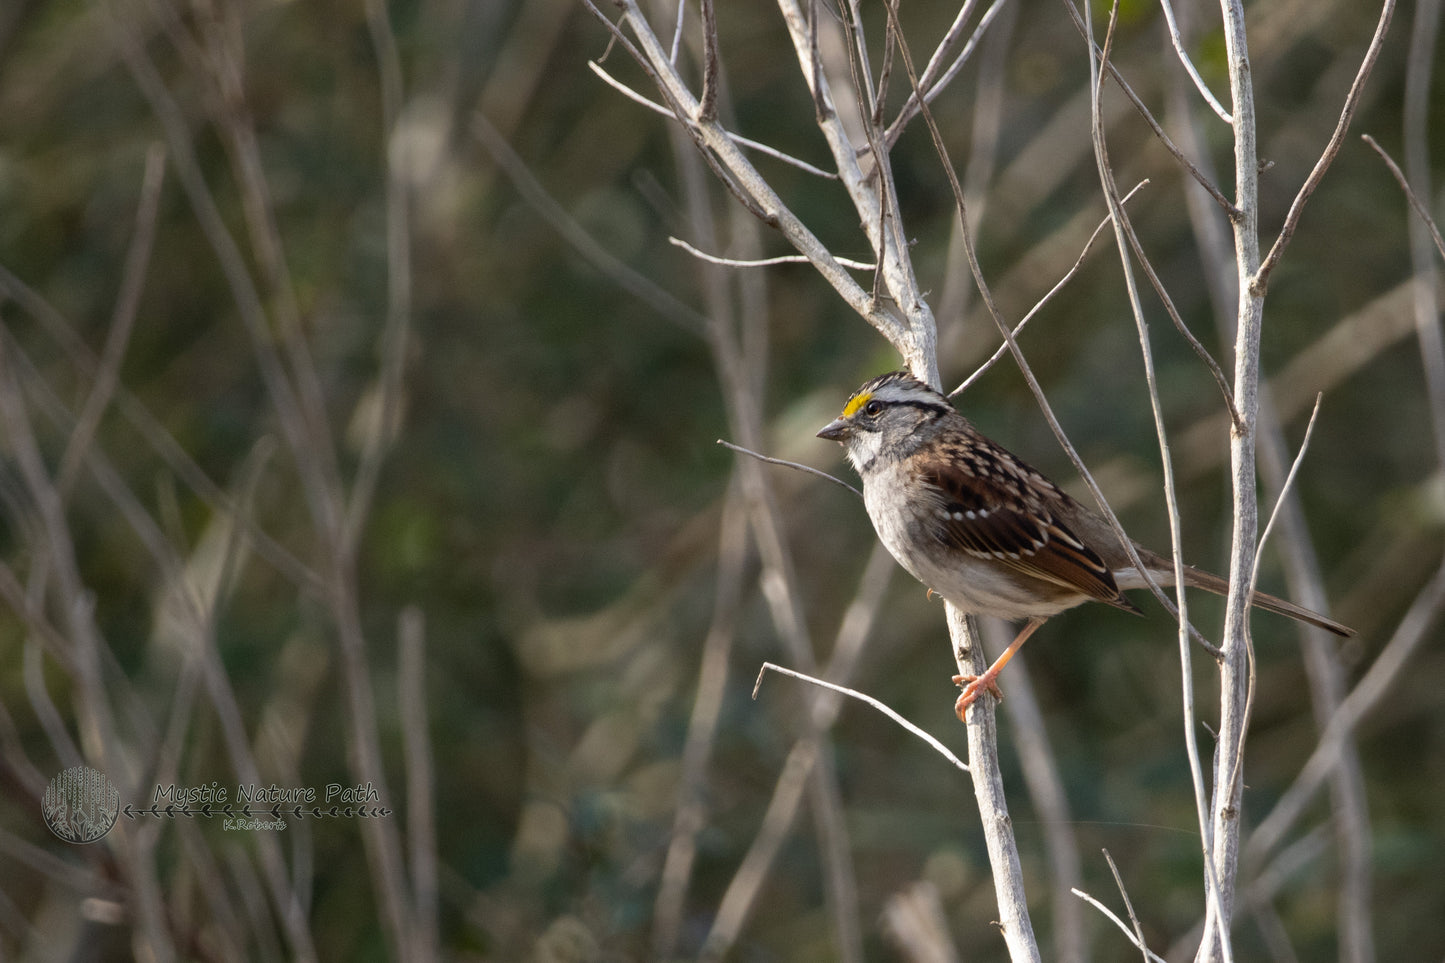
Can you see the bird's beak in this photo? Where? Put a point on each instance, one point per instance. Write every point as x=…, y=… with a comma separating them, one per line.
x=837, y=430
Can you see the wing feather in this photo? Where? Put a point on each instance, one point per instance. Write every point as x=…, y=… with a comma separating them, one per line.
x=984, y=508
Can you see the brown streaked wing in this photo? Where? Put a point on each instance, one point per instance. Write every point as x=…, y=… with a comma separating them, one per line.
x=983, y=518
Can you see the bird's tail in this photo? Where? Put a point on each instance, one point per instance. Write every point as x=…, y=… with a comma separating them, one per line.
x=1199, y=578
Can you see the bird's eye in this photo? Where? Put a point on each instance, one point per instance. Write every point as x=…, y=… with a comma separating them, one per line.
x=872, y=408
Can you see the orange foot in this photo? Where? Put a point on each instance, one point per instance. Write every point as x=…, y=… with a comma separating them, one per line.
x=975, y=684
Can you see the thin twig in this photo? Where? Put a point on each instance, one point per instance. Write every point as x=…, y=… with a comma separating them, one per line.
x=739, y=139
x=888, y=221
x=761, y=262
x=1058, y=286
x=420, y=779
x=1284, y=490
x=1420, y=208
x=1129, y=907
x=791, y=464
x=385, y=427
x=127, y=302
x=1325, y=666
x=1123, y=927
x=984, y=153
x=1259, y=282
x=635, y=283
x=882, y=707
x=1178, y=42
x=931, y=87
x=1212, y=366
x=1171, y=493
x=1039, y=765
x=712, y=678
x=885, y=73
x=707, y=103
x=677, y=32
x=1138, y=103
x=743, y=889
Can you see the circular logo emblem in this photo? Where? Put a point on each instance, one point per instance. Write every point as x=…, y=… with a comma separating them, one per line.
x=80, y=805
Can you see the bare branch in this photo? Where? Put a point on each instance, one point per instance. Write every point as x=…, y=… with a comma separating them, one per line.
x=1199, y=83
x=722, y=153
x=712, y=678
x=1221, y=830
x=635, y=283
x=420, y=791
x=761, y=262
x=931, y=82
x=882, y=707
x=707, y=105
x=1259, y=281
x=743, y=889
x=1129, y=907
x=1123, y=927
x=750, y=144
x=1058, y=286
x=1138, y=103
x=1399, y=175
x=791, y=464
x=107, y=374
x=1284, y=490
x=1171, y=494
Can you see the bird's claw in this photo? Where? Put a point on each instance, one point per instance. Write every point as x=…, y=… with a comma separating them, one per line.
x=972, y=686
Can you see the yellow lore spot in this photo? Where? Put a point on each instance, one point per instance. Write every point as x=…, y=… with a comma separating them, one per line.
x=856, y=402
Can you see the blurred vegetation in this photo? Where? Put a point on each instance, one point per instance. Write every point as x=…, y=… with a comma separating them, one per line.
x=551, y=500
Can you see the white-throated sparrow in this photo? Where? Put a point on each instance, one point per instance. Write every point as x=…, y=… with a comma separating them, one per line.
x=983, y=529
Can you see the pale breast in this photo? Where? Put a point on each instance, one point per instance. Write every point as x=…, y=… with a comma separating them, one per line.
x=976, y=586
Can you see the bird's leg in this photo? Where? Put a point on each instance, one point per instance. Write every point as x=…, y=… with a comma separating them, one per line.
x=978, y=683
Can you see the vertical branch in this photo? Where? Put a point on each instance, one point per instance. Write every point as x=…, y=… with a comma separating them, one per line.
x=1039, y=765
x=1423, y=36
x=122, y=321
x=294, y=388
x=988, y=790
x=1124, y=237
x=1234, y=668
x=740, y=376
x=707, y=105
x=420, y=790
x=689, y=818
x=1322, y=659
x=393, y=344
x=743, y=890
x=919, y=345
x=99, y=735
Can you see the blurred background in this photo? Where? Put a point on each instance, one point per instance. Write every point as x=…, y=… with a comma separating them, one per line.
x=359, y=424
